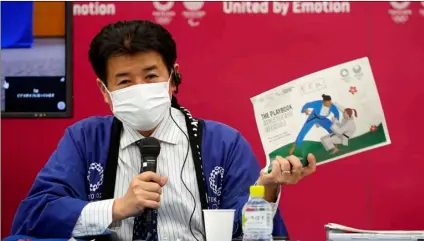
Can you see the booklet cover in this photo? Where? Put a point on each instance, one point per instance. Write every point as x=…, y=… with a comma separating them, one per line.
x=333, y=113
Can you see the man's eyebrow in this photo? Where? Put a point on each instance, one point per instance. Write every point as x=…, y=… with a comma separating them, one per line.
x=122, y=74
x=145, y=69
x=149, y=68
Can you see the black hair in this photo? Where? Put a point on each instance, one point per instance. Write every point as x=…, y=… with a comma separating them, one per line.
x=127, y=38
x=174, y=102
x=326, y=97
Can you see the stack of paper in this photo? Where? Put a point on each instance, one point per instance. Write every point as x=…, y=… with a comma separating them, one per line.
x=337, y=232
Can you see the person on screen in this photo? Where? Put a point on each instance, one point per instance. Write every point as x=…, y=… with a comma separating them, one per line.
x=321, y=109
x=93, y=183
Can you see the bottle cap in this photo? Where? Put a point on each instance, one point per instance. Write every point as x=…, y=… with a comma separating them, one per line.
x=257, y=191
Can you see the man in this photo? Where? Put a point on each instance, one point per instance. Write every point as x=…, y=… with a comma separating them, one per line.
x=321, y=109
x=94, y=183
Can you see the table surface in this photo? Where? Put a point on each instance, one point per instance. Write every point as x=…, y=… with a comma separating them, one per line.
x=106, y=237
x=274, y=239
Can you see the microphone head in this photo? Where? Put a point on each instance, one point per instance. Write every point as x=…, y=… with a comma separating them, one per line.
x=149, y=147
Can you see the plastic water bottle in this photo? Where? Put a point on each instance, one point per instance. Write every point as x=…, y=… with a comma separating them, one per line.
x=257, y=217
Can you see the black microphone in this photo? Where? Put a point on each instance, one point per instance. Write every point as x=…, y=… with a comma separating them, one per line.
x=150, y=149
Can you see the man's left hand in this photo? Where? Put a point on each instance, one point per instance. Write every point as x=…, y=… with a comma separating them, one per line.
x=285, y=171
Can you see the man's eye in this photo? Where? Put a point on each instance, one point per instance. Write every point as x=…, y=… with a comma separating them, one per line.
x=151, y=76
x=123, y=82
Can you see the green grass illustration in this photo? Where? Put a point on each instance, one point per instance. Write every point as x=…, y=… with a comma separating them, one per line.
x=366, y=140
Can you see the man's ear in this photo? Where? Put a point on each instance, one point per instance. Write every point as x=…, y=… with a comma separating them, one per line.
x=104, y=91
x=176, y=69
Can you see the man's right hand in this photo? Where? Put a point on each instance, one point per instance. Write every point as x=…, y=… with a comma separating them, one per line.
x=307, y=112
x=144, y=192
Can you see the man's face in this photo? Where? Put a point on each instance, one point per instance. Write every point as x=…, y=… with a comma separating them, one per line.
x=141, y=68
x=327, y=103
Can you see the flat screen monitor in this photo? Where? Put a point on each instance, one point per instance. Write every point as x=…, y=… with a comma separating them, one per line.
x=35, y=66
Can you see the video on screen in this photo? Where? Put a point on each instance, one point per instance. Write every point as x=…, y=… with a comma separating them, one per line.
x=33, y=66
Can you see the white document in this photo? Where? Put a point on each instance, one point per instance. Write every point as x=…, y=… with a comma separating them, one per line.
x=333, y=113
x=371, y=237
x=338, y=227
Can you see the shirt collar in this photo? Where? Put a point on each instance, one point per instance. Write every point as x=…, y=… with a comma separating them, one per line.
x=167, y=131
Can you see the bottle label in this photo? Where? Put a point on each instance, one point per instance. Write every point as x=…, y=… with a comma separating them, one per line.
x=257, y=221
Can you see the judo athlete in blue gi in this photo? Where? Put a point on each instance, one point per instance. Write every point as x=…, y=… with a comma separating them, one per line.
x=321, y=109
x=94, y=183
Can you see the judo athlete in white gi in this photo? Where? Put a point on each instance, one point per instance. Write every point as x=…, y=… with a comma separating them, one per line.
x=342, y=131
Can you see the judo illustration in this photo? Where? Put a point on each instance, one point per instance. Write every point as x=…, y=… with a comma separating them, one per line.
x=330, y=118
x=318, y=116
x=342, y=131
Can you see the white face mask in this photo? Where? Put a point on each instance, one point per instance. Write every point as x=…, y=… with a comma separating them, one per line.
x=141, y=106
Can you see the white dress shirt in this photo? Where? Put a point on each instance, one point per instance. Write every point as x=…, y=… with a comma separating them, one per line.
x=176, y=201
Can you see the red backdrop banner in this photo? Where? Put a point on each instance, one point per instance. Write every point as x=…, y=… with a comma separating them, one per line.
x=231, y=51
